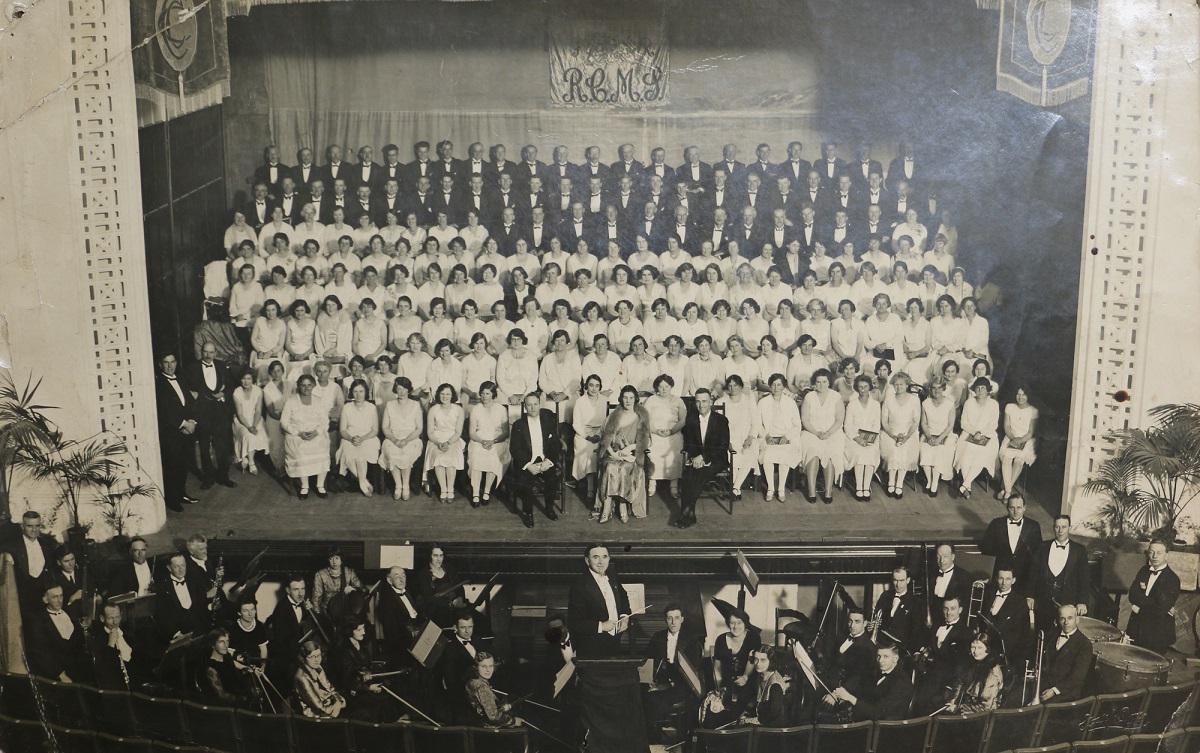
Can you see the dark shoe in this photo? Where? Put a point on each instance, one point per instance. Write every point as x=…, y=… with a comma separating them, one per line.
x=206, y=485
x=174, y=506
x=527, y=520
x=303, y=495
x=485, y=500
x=686, y=523
x=322, y=493
x=227, y=482
x=812, y=498
x=188, y=500
x=828, y=500
x=551, y=514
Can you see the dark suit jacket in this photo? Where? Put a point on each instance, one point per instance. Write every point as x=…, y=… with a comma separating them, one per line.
x=49, y=655
x=896, y=174
x=302, y=181
x=395, y=620
x=524, y=171
x=855, y=664
x=107, y=660
x=413, y=173
x=122, y=579
x=441, y=167
x=374, y=178
x=70, y=588
x=520, y=446
x=492, y=172
x=765, y=172
x=715, y=447
x=683, y=174
x=906, y=622
x=171, y=617
x=796, y=173
x=668, y=671
x=887, y=700
x=822, y=167
x=586, y=610
x=455, y=665
x=345, y=171
x=789, y=233
x=668, y=176
x=1012, y=621
x=995, y=544
x=30, y=589
x=946, y=659
x=1071, y=586
x=1153, y=627
x=618, y=169
x=555, y=172
x=960, y=586
x=251, y=211
x=286, y=631
x=854, y=169
x=262, y=174
x=1067, y=668
x=416, y=204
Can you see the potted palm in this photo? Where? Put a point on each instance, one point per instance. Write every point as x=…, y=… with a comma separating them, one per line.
x=114, y=501
x=24, y=430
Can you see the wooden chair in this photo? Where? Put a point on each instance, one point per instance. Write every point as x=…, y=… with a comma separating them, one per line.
x=958, y=734
x=783, y=739
x=843, y=738
x=1009, y=729
x=1065, y=722
x=732, y=740
x=1116, y=714
x=902, y=736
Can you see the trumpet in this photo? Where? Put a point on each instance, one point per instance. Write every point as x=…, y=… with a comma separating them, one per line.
x=873, y=625
x=975, y=605
x=1034, y=675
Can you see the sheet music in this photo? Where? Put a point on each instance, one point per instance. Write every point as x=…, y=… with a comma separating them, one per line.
x=637, y=596
x=563, y=677
x=690, y=676
x=396, y=555
x=646, y=672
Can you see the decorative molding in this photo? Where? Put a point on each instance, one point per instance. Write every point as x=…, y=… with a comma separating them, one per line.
x=1119, y=243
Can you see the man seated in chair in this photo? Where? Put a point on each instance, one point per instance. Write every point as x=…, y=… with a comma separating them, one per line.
x=887, y=695
x=668, y=693
x=536, y=456
x=706, y=453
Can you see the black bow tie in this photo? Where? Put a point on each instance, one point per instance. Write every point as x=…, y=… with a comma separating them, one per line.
x=1016, y=522
x=177, y=582
x=1060, y=546
x=171, y=378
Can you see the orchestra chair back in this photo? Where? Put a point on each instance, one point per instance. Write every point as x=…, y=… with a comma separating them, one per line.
x=1060, y=748
x=264, y=733
x=112, y=710
x=783, y=739
x=106, y=743
x=19, y=701
x=1009, y=729
x=62, y=703
x=319, y=735
x=499, y=740
x=1162, y=703
x=160, y=718
x=158, y=746
x=371, y=737
x=843, y=738
x=1112, y=745
x=1116, y=714
x=73, y=740
x=424, y=738
x=1191, y=740
x=21, y=734
x=955, y=733
x=901, y=736
x=732, y=740
x=1065, y=722
x=1154, y=743
x=212, y=726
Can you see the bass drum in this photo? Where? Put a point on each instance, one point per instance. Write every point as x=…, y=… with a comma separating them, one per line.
x=1098, y=631
x=1120, y=667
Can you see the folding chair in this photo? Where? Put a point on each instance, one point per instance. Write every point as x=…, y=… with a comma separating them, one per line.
x=958, y=734
x=843, y=738
x=902, y=736
x=1012, y=728
x=1116, y=714
x=160, y=718
x=423, y=738
x=263, y=733
x=492, y=740
x=1065, y=722
x=212, y=726
x=732, y=740
x=783, y=739
x=313, y=735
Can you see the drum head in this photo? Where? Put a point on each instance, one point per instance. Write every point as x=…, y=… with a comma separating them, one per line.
x=1138, y=659
x=1098, y=630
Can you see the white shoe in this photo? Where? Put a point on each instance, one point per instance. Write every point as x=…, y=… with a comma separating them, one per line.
x=652, y=488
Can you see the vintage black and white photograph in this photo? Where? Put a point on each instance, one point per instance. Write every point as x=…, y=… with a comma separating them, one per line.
x=517, y=376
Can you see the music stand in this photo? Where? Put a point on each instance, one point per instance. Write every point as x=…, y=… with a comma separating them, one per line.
x=610, y=702
x=430, y=643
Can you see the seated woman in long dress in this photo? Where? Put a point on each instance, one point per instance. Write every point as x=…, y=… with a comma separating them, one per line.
x=667, y=414
x=249, y=434
x=276, y=392
x=299, y=342
x=587, y=419
x=314, y=692
x=445, y=450
x=402, y=424
x=415, y=366
x=639, y=368
x=977, y=445
x=899, y=443
x=483, y=701
x=980, y=681
x=822, y=442
x=781, y=435
x=305, y=424
x=624, y=441
x=1017, y=448
x=745, y=427
x=267, y=339
x=359, y=428
x=487, y=453
x=861, y=427
x=938, y=440
x=559, y=377
x=335, y=334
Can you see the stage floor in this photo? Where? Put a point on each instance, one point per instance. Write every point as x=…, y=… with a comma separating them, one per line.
x=260, y=508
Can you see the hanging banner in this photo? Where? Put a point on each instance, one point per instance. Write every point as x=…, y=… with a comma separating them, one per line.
x=1045, y=49
x=607, y=64
x=180, y=55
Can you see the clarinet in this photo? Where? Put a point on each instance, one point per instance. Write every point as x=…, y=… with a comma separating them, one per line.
x=218, y=576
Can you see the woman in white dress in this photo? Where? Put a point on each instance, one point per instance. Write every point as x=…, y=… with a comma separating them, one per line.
x=237, y=232
x=466, y=327
x=561, y=320
x=917, y=342
x=752, y=328
x=1017, y=449
x=781, y=429
x=741, y=411
x=982, y=368
x=785, y=327
x=267, y=340
x=622, y=329
x=803, y=365
x=402, y=424
x=977, y=445
x=379, y=382
x=845, y=333
x=618, y=289
x=299, y=340
x=246, y=300
x=478, y=366
x=413, y=233
x=489, y=290
x=559, y=377
x=938, y=440
x=305, y=425
x=722, y=326
x=516, y=372
x=370, y=332
x=691, y=327
x=737, y=362
x=667, y=414
x=822, y=443
x=438, y=327
x=593, y=324
x=674, y=364
x=605, y=364
x=713, y=289
x=445, y=450
x=249, y=433
x=588, y=420
x=659, y=326
x=487, y=453
x=359, y=428
x=639, y=367
x=445, y=368
x=275, y=394
x=899, y=444
x=624, y=441
x=861, y=428
x=770, y=361
x=473, y=234
x=882, y=334
x=459, y=288
x=415, y=365
x=334, y=336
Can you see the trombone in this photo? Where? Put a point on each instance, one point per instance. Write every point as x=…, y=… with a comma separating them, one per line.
x=975, y=605
x=1033, y=675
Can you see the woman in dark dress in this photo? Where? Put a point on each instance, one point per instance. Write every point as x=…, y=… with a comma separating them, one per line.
x=732, y=668
x=350, y=668
x=222, y=679
x=436, y=577
x=771, y=704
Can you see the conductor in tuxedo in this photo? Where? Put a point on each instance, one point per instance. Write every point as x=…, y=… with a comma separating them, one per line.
x=176, y=432
x=1013, y=539
x=536, y=454
x=208, y=381
x=1059, y=575
x=597, y=608
x=1152, y=601
x=33, y=558
x=706, y=453
x=1066, y=660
